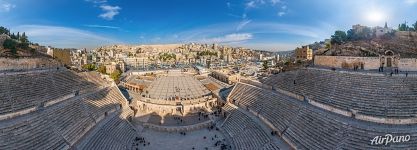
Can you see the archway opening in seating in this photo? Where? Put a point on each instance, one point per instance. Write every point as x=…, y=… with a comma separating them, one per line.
x=389, y=62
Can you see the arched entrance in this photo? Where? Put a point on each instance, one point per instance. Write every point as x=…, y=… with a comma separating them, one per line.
x=389, y=62
x=144, y=107
x=389, y=59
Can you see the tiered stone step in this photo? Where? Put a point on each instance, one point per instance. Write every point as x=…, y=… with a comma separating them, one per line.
x=308, y=127
x=245, y=133
x=373, y=95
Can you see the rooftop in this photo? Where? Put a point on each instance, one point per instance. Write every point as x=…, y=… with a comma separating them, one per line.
x=176, y=87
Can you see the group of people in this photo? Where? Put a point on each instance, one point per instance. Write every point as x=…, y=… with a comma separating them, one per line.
x=183, y=133
x=219, y=142
x=274, y=132
x=140, y=140
x=179, y=120
x=200, y=114
x=381, y=69
x=355, y=68
x=396, y=71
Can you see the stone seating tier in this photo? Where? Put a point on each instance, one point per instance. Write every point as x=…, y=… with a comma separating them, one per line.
x=308, y=127
x=378, y=96
x=245, y=133
x=62, y=126
x=25, y=91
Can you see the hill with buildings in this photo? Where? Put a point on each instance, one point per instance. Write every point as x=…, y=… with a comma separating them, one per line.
x=365, y=41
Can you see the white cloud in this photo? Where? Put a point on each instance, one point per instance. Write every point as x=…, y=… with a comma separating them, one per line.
x=97, y=1
x=411, y=1
x=242, y=24
x=109, y=11
x=275, y=46
x=273, y=2
x=101, y=26
x=279, y=28
x=254, y=28
x=6, y=7
x=256, y=3
x=211, y=34
x=229, y=38
x=64, y=37
x=250, y=4
x=228, y=5
x=277, y=4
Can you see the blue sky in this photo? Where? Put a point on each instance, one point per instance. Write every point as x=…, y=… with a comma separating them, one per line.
x=261, y=24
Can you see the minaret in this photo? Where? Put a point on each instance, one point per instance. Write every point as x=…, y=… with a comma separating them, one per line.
x=386, y=26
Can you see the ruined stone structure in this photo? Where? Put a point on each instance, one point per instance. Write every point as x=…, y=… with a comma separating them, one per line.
x=175, y=94
x=303, y=53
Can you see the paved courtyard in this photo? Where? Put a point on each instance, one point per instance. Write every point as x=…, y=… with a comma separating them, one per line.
x=176, y=141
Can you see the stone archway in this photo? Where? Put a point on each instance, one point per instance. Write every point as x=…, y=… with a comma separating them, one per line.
x=389, y=59
x=389, y=62
x=144, y=107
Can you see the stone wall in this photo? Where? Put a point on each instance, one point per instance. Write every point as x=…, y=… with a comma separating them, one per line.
x=27, y=63
x=187, y=107
x=408, y=64
x=347, y=62
x=62, y=55
x=179, y=128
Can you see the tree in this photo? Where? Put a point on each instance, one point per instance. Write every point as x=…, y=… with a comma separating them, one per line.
x=116, y=75
x=365, y=34
x=265, y=65
x=415, y=26
x=13, y=36
x=102, y=69
x=24, y=38
x=89, y=67
x=11, y=45
x=4, y=30
x=351, y=35
x=208, y=63
x=403, y=27
x=339, y=37
x=328, y=46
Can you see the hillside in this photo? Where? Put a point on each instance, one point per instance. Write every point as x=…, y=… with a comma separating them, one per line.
x=17, y=45
x=402, y=42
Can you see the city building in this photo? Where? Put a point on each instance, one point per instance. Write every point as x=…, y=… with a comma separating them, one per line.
x=110, y=68
x=303, y=53
x=225, y=76
x=137, y=62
